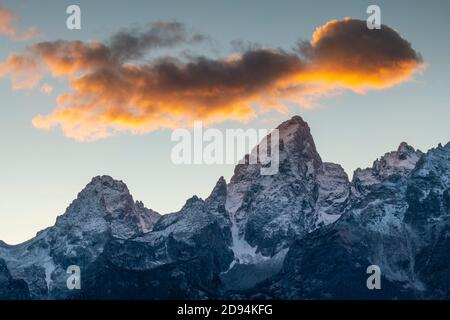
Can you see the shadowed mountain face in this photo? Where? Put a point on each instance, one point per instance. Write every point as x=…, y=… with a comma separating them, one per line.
x=104, y=210
x=306, y=232
x=11, y=288
x=398, y=219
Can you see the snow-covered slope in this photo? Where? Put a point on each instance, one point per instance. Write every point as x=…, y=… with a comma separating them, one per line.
x=398, y=218
x=307, y=231
x=104, y=209
x=269, y=211
x=395, y=163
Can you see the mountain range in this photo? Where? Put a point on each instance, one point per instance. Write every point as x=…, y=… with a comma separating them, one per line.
x=307, y=232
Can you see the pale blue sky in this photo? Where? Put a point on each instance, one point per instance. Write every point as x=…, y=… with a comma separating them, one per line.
x=42, y=172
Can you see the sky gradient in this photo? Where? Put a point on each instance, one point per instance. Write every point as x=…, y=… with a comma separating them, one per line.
x=42, y=171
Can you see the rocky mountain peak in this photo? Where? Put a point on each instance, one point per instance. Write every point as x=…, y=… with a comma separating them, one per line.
x=435, y=166
x=401, y=161
x=105, y=185
x=295, y=122
x=106, y=203
x=297, y=141
x=395, y=163
x=219, y=194
x=313, y=194
x=297, y=153
x=192, y=202
x=104, y=195
x=405, y=148
x=220, y=189
x=258, y=231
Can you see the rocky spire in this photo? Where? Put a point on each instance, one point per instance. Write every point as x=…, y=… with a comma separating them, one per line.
x=107, y=203
x=298, y=142
x=219, y=192
x=400, y=162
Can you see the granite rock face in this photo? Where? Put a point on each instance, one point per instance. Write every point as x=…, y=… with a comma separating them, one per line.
x=397, y=219
x=306, y=232
x=11, y=289
x=104, y=210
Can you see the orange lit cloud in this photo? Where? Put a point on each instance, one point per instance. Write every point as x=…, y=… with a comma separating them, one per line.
x=112, y=93
x=350, y=55
x=8, y=26
x=24, y=70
